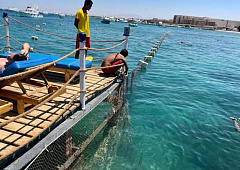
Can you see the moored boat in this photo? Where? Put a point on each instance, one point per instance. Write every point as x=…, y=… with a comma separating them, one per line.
x=13, y=9
x=133, y=25
x=105, y=20
x=62, y=15
x=31, y=11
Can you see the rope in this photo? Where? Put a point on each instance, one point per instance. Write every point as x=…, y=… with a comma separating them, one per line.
x=99, y=68
x=2, y=49
x=3, y=37
x=97, y=60
x=21, y=43
x=57, y=35
x=13, y=48
x=104, y=49
x=107, y=40
x=94, y=49
x=15, y=40
x=37, y=29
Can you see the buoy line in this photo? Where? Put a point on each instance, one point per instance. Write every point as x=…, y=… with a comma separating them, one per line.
x=144, y=63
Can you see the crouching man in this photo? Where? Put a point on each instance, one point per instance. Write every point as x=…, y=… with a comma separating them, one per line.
x=115, y=59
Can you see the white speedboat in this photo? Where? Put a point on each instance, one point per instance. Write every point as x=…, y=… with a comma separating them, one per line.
x=31, y=11
x=133, y=25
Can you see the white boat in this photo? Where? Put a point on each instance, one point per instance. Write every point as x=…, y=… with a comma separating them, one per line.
x=43, y=12
x=31, y=11
x=62, y=15
x=133, y=25
x=164, y=25
x=105, y=20
x=13, y=9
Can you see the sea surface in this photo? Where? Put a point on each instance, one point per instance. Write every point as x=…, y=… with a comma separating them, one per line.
x=177, y=112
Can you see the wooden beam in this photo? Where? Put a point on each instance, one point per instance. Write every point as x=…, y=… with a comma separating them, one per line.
x=5, y=106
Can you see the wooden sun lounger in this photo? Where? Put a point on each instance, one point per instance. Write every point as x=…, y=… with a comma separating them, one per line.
x=34, y=95
x=67, y=73
x=5, y=106
x=16, y=87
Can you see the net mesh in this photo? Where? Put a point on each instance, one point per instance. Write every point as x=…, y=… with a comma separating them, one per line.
x=71, y=144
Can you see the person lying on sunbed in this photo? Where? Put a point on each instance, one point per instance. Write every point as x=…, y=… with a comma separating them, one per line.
x=23, y=55
x=115, y=59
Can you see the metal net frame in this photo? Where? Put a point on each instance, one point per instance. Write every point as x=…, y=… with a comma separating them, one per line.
x=69, y=148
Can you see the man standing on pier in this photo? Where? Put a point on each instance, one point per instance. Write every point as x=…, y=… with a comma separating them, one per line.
x=82, y=24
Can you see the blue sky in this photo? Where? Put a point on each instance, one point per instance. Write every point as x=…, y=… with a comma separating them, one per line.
x=164, y=9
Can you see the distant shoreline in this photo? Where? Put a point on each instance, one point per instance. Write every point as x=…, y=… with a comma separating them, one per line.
x=229, y=31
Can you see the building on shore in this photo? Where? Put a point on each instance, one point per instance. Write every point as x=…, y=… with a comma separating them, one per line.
x=205, y=22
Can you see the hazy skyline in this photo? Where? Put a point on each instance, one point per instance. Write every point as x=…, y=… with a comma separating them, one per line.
x=162, y=9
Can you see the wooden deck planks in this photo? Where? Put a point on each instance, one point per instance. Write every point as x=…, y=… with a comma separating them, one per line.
x=6, y=149
x=22, y=129
x=35, y=122
x=12, y=138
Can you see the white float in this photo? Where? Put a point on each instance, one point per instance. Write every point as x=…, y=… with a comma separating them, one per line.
x=142, y=63
x=34, y=37
x=147, y=58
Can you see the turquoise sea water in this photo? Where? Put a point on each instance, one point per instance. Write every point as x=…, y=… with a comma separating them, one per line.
x=177, y=112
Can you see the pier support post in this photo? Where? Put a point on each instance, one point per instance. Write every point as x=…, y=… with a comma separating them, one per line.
x=68, y=143
x=82, y=37
x=126, y=34
x=5, y=17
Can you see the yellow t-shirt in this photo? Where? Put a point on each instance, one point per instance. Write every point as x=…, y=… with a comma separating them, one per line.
x=83, y=24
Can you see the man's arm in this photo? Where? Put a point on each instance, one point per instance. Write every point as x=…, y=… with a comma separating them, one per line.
x=126, y=65
x=76, y=22
x=120, y=57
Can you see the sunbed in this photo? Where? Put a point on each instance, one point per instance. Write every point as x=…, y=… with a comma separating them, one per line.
x=24, y=70
x=67, y=65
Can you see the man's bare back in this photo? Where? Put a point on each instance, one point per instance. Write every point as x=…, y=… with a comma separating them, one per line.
x=110, y=59
x=115, y=59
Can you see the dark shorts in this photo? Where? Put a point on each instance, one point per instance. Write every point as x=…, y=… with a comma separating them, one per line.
x=20, y=57
x=112, y=70
x=87, y=42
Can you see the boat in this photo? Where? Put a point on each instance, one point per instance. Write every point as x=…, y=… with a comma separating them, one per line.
x=43, y=12
x=31, y=11
x=105, y=20
x=43, y=100
x=13, y=9
x=159, y=24
x=132, y=24
x=62, y=15
x=164, y=25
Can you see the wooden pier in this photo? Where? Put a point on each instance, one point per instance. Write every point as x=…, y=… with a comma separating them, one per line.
x=41, y=103
x=22, y=133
